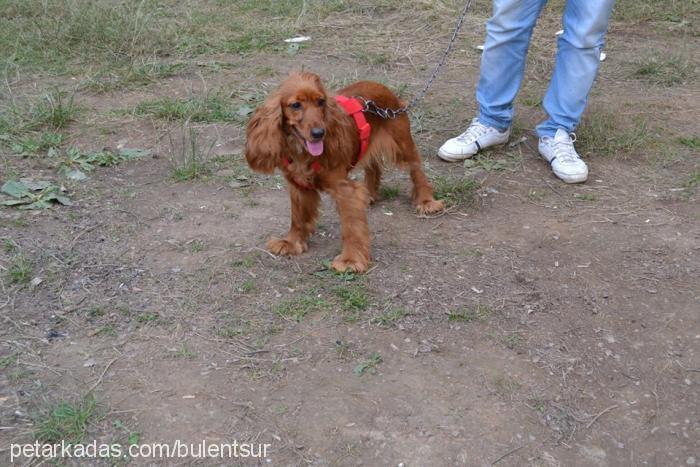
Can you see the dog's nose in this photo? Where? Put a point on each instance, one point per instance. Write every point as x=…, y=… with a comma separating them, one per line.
x=317, y=133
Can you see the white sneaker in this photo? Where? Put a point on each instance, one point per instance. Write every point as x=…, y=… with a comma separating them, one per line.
x=562, y=157
x=477, y=137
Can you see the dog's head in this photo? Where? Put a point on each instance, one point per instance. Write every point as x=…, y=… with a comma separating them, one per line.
x=297, y=108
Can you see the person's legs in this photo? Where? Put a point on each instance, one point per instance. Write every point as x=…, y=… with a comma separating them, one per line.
x=508, y=34
x=578, y=57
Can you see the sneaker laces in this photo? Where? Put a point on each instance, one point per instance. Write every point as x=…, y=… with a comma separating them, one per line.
x=564, y=149
x=474, y=132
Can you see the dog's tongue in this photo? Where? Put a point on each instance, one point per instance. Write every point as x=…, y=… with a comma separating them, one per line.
x=315, y=148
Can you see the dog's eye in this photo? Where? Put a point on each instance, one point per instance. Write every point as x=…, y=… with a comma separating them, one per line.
x=321, y=102
x=295, y=105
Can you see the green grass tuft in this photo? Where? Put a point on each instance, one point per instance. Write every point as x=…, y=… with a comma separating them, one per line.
x=478, y=312
x=389, y=191
x=665, y=70
x=692, y=142
x=352, y=297
x=50, y=112
x=298, y=307
x=205, y=109
x=601, y=133
x=390, y=318
x=455, y=190
x=694, y=180
x=20, y=270
x=66, y=422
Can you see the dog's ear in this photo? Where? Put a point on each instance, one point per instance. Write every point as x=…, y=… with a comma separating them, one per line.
x=265, y=138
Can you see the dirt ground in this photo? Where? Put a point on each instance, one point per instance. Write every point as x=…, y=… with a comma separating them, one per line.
x=535, y=323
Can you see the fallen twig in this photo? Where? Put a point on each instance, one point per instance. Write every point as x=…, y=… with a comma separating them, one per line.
x=83, y=232
x=512, y=451
x=99, y=380
x=590, y=424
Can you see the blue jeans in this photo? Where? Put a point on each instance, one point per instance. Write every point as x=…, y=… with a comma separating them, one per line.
x=508, y=35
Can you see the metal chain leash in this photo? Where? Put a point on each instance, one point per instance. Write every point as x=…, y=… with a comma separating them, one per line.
x=371, y=107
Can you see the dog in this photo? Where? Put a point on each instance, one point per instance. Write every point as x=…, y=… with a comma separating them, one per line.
x=316, y=139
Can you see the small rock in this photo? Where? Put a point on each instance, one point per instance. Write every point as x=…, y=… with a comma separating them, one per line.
x=690, y=460
x=594, y=453
x=53, y=334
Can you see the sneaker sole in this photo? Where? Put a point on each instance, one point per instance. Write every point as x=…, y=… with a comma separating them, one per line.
x=571, y=178
x=449, y=157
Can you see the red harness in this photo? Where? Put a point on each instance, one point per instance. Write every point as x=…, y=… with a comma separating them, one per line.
x=354, y=108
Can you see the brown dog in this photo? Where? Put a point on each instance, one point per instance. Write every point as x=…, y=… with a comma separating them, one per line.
x=308, y=135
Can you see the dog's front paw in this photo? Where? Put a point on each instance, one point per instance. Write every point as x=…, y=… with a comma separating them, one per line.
x=282, y=246
x=430, y=206
x=343, y=263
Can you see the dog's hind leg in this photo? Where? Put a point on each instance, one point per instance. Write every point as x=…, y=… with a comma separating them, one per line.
x=304, y=214
x=409, y=159
x=373, y=177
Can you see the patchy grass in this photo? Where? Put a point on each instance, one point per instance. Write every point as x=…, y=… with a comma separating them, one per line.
x=693, y=180
x=232, y=328
x=389, y=192
x=455, y=190
x=20, y=270
x=247, y=286
x=372, y=58
x=512, y=340
x=298, y=307
x=51, y=111
x=344, y=350
x=106, y=330
x=132, y=75
x=473, y=252
x=37, y=144
x=8, y=361
x=147, y=317
x=62, y=36
x=246, y=262
x=505, y=385
x=183, y=352
x=205, y=109
x=196, y=246
x=369, y=365
x=57, y=34
x=186, y=159
x=693, y=142
x=66, y=422
x=9, y=246
x=656, y=10
x=478, y=312
x=602, y=133
x=353, y=297
x=585, y=197
x=390, y=317
x=665, y=69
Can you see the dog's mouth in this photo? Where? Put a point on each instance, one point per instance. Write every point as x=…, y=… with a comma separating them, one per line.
x=315, y=147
